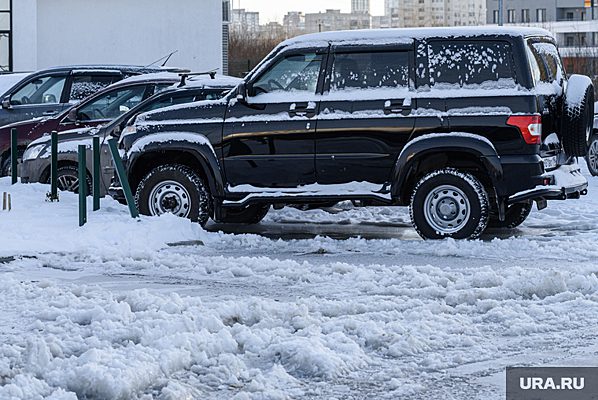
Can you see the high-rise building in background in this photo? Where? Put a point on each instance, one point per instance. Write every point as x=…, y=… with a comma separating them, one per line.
x=360, y=6
x=243, y=20
x=420, y=13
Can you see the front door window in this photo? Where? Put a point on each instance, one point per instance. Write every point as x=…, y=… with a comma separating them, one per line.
x=294, y=73
x=41, y=90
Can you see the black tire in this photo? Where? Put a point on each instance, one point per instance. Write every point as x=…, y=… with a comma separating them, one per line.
x=68, y=179
x=5, y=168
x=449, y=203
x=592, y=156
x=578, y=116
x=174, y=188
x=249, y=215
x=516, y=214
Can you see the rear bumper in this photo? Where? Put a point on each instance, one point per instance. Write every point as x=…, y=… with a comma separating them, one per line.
x=565, y=182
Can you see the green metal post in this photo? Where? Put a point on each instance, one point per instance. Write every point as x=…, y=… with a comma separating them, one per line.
x=82, y=185
x=122, y=177
x=14, y=154
x=54, y=167
x=96, y=173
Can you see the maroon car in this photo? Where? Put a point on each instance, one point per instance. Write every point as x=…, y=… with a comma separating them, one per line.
x=97, y=109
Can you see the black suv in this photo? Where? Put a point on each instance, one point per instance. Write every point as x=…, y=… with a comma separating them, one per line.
x=450, y=121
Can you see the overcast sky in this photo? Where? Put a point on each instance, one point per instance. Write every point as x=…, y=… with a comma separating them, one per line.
x=274, y=10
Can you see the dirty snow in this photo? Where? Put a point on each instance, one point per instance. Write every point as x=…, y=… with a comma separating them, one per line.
x=346, y=303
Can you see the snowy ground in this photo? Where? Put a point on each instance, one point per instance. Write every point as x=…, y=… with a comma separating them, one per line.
x=309, y=305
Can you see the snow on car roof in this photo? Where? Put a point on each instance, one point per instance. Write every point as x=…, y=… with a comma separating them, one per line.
x=408, y=34
x=218, y=81
x=158, y=76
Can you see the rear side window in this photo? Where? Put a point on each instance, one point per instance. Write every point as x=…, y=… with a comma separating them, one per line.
x=85, y=85
x=471, y=63
x=370, y=70
x=548, y=54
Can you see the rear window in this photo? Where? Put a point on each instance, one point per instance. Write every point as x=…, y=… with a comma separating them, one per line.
x=471, y=63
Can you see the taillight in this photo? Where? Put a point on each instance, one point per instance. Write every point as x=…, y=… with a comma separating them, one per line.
x=530, y=127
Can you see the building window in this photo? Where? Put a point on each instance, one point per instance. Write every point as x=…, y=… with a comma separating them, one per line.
x=525, y=15
x=5, y=35
x=541, y=15
x=569, y=16
x=511, y=16
x=495, y=16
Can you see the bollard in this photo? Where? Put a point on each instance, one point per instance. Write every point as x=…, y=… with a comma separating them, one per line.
x=14, y=155
x=122, y=177
x=96, y=173
x=53, y=196
x=82, y=185
x=6, y=206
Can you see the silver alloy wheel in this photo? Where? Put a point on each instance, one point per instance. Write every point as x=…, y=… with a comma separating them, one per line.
x=593, y=155
x=170, y=197
x=68, y=183
x=447, y=209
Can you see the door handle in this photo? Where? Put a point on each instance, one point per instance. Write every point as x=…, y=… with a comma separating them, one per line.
x=302, y=110
x=49, y=113
x=397, y=106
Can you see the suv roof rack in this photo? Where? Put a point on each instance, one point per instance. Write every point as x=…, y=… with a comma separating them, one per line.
x=186, y=75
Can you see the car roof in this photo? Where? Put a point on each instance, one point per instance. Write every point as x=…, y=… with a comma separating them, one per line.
x=407, y=35
x=106, y=67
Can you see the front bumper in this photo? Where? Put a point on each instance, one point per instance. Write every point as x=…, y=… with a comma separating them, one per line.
x=31, y=170
x=565, y=182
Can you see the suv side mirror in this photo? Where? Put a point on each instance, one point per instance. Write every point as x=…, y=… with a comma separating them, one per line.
x=6, y=102
x=242, y=92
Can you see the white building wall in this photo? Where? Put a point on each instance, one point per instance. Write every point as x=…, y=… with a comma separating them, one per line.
x=24, y=54
x=62, y=32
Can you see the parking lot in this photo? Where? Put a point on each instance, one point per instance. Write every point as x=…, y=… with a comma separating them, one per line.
x=347, y=303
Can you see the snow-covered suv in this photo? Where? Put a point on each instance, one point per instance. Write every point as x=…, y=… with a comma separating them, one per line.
x=467, y=126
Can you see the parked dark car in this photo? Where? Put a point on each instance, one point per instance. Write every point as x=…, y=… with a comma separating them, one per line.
x=97, y=109
x=447, y=121
x=49, y=92
x=592, y=156
x=36, y=160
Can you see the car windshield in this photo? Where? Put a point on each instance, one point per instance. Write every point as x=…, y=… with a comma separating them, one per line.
x=112, y=104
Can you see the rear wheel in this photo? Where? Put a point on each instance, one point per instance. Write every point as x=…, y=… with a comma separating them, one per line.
x=248, y=215
x=516, y=214
x=592, y=156
x=174, y=189
x=449, y=203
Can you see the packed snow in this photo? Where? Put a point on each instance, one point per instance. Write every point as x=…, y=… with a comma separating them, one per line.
x=344, y=303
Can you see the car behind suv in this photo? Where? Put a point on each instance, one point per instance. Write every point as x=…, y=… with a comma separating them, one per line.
x=36, y=160
x=453, y=122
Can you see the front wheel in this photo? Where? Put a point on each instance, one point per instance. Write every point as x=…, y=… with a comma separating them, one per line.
x=592, y=156
x=174, y=189
x=449, y=203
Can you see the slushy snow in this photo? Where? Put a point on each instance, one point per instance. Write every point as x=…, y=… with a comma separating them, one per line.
x=157, y=308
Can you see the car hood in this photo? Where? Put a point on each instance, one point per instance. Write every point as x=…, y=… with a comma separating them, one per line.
x=24, y=127
x=70, y=135
x=207, y=110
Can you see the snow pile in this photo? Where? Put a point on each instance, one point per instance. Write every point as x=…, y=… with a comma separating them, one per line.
x=35, y=225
